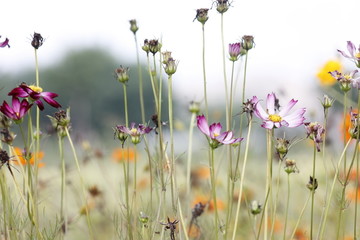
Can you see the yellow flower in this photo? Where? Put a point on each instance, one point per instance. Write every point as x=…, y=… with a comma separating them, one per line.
x=323, y=75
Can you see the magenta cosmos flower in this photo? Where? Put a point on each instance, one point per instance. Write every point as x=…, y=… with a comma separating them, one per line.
x=4, y=43
x=36, y=94
x=18, y=109
x=213, y=133
x=134, y=132
x=234, y=51
x=272, y=119
x=354, y=53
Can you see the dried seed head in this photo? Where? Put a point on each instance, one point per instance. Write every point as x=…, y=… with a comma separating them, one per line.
x=37, y=40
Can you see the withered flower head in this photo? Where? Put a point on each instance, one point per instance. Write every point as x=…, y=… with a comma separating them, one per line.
x=354, y=124
x=154, y=46
x=5, y=122
x=122, y=74
x=94, y=191
x=313, y=184
x=250, y=106
x=170, y=66
x=146, y=46
x=222, y=5
x=327, y=102
x=198, y=210
x=282, y=147
x=7, y=136
x=61, y=121
x=290, y=166
x=37, y=40
x=133, y=26
x=247, y=42
x=194, y=107
x=315, y=132
x=202, y=15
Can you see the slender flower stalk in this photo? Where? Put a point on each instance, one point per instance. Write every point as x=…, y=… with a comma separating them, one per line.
x=242, y=180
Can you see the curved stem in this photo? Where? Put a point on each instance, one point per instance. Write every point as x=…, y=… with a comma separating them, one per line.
x=188, y=171
x=224, y=72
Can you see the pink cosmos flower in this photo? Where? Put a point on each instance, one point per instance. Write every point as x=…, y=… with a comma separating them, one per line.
x=35, y=93
x=354, y=53
x=4, y=43
x=272, y=119
x=18, y=109
x=234, y=51
x=134, y=132
x=213, y=133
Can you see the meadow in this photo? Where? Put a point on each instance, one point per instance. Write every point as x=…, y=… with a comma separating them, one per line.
x=261, y=167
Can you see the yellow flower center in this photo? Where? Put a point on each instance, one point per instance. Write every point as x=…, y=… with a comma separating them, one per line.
x=274, y=118
x=36, y=89
x=357, y=55
x=134, y=131
x=216, y=134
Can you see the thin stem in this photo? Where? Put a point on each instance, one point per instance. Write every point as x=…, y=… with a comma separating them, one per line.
x=300, y=216
x=224, y=71
x=213, y=189
x=126, y=105
x=313, y=194
x=63, y=217
x=188, y=171
x=344, y=127
x=81, y=181
x=172, y=152
x=273, y=219
x=182, y=221
x=269, y=134
x=204, y=72
x=287, y=204
x=357, y=175
x=242, y=180
x=323, y=224
x=141, y=90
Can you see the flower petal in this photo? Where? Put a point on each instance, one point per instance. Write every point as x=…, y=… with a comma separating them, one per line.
x=270, y=103
x=351, y=48
x=203, y=125
x=260, y=112
x=268, y=125
x=288, y=107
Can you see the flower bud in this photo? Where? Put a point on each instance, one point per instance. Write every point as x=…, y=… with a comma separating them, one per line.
x=37, y=40
x=247, y=42
x=122, y=74
x=327, y=102
x=282, y=147
x=154, y=46
x=313, y=184
x=133, y=26
x=202, y=15
x=143, y=218
x=171, y=66
x=234, y=51
x=255, y=207
x=146, y=46
x=290, y=166
x=194, y=107
x=222, y=5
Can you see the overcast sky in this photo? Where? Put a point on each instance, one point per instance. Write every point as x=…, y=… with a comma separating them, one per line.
x=293, y=38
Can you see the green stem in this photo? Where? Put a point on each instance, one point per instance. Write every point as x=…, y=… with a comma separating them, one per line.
x=273, y=218
x=242, y=180
x=188, y=171
x=63, y=217
x=323, y=224
x=300, y=216
x=172, y=152
x=224, y=72
x=153, y=85
x=344, y=127
x=287, y=204
x=141, y=90
x=213, y=190
x=5, y=203
x=81, y=182
x=269, y=134
x=204, y=72
x=313, y=194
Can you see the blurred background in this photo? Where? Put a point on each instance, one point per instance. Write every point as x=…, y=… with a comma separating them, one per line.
x=86, y=40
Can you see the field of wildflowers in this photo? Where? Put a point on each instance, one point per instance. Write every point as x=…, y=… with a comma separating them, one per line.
x=268, y=171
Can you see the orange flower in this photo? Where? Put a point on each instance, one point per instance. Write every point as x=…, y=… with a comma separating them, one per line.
x=201, y=172
x=277, y=225
x=22, y=160
x=123, y=154
x=346, y=126
x=351, y=195
x=211, y=206
x=300, y=234
x=194, y=232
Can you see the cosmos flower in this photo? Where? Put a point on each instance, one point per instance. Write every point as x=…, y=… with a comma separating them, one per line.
x=354, y=53
x=234, y=51
x=346, y=80
x=134, y=132
x=36, y=94
x=315, y=132
x=22, y=159
x=4, y=43
x=273, y=118
x=213, y=133
x=18, y=109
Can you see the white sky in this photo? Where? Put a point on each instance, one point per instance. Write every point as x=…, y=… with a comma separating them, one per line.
x=293, y=38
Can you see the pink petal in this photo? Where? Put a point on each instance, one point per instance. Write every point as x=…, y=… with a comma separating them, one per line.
x=268, y=125
x=288, y=107
x=215, y=130
x=270, y=103
x=203, y=125
x=351, y=48
x=260, y=112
